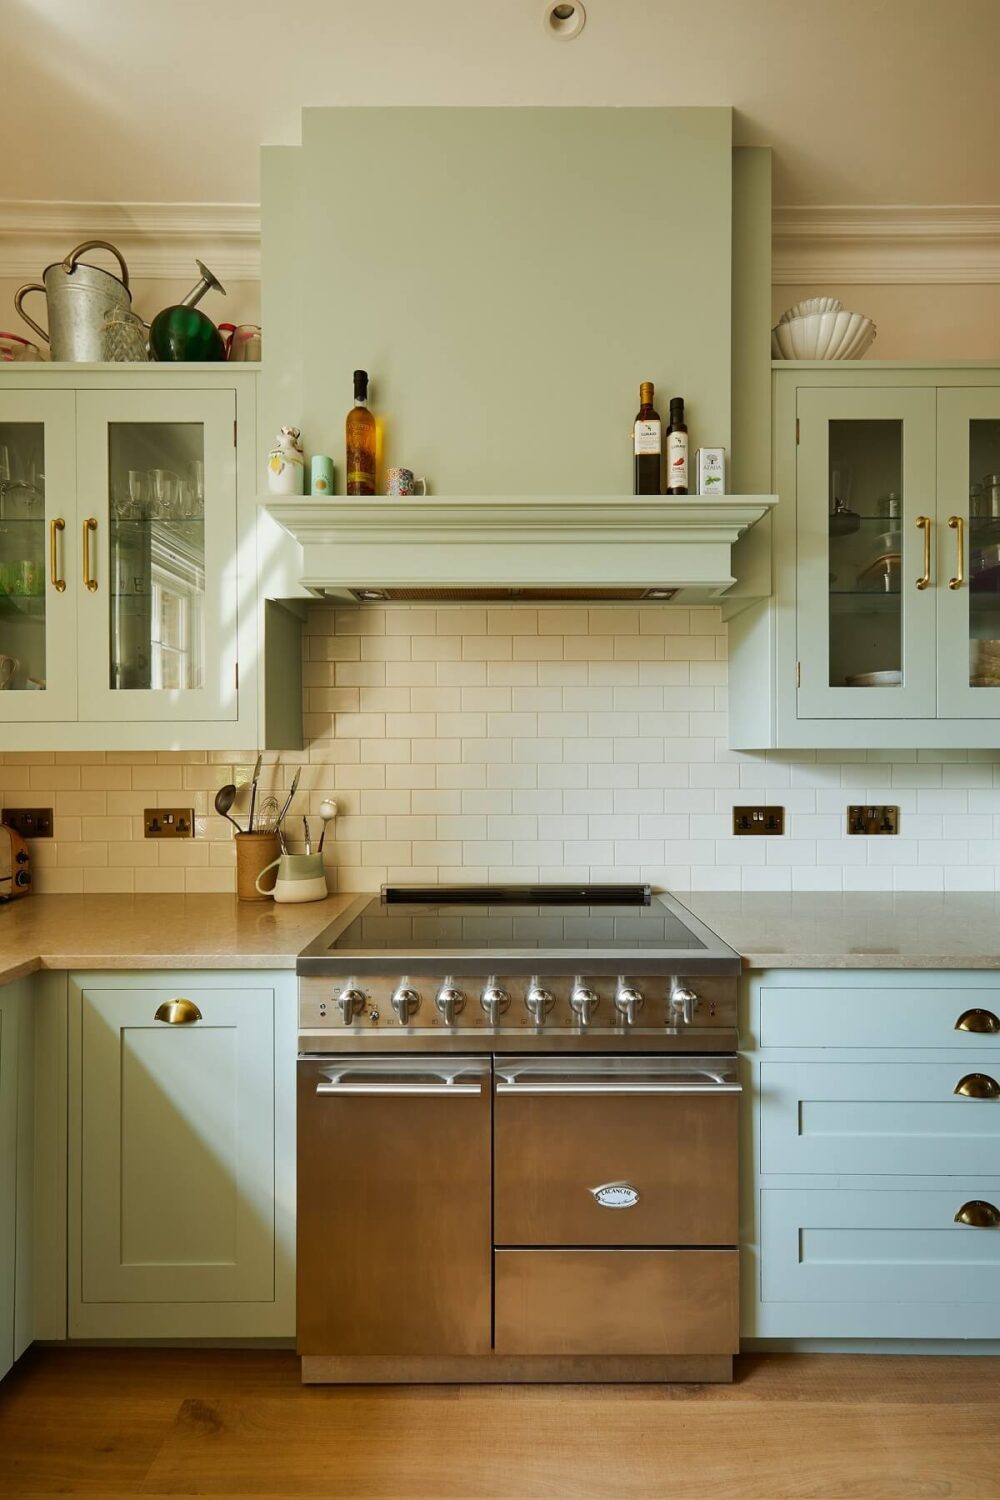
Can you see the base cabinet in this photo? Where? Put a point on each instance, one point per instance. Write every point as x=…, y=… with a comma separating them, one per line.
x=181, y=1177
x=872, y=1209
x=9, y=1017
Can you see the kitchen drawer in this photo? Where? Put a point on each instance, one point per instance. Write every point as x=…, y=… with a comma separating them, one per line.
x=881, y=1264
x=907, y=1015
x=879, y=1118
x=617, y=1301
x=668, y=1158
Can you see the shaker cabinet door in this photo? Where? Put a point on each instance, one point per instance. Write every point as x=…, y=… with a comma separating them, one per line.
x=172, y=1160
x=8, y=1172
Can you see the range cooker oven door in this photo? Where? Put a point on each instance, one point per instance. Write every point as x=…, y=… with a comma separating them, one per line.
x=616, y=1206
x=394, y=1243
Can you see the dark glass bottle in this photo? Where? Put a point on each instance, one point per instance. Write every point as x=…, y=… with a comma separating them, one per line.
x=647, y=444
x=677, y=449
x=360, y=433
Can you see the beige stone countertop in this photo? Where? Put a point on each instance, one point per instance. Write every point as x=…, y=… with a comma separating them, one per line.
x=157, y=932
x=855, y=931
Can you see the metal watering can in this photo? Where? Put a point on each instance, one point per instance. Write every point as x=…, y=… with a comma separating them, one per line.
x=78, y=297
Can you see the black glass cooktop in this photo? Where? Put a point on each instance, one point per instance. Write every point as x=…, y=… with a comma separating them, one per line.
x=594, y=929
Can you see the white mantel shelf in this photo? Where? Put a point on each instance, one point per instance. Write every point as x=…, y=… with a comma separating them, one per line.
x=600, y=542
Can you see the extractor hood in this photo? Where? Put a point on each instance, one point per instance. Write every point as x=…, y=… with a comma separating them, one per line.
x=456, y=548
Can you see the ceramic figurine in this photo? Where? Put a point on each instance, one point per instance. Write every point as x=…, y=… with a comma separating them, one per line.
x=286, y=465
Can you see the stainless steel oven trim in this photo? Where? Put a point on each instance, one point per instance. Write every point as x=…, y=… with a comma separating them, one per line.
x=617, y=1075
x=396, y=1076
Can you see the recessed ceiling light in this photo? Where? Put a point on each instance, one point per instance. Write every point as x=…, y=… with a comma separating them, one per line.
x=564, y=19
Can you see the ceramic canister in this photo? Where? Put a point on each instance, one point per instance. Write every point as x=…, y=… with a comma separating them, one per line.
x=321, y=474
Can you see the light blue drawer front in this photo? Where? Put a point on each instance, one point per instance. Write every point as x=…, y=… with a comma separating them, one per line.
x=882, y=1263
x=878, y=1118
x=893, y=1016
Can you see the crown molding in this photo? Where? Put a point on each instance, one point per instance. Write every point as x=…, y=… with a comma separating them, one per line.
x=156, y=239
x=885, y=243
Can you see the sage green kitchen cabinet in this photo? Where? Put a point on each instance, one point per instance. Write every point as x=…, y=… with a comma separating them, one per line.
x=181, y=1155
x=16, y=1162
x=884, y=627
x=134, y=565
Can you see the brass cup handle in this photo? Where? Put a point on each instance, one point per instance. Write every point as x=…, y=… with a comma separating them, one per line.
x=978, y=1214
x=978, y=1086
x=59, y=584
x=925, y=523
x=957, y=525
x=89, y=525
x=978, y=1020
x=178, y=1012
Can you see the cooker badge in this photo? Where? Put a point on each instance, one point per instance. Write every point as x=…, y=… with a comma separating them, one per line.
x=616, y=1195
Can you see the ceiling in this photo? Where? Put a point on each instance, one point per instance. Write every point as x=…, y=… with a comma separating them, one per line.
x=863, y=101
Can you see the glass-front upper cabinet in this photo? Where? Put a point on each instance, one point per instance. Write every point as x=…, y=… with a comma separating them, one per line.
x=37, y=497
x=969, y=552
x=866, y=496
x=158, y=629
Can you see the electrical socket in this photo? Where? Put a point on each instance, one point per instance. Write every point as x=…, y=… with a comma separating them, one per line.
x=29, y=822
x=758, y=820
x=871, y=820
x=168, y=823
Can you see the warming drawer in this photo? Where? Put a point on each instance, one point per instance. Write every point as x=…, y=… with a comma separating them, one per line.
x=616, y=1302
x=594, y=1151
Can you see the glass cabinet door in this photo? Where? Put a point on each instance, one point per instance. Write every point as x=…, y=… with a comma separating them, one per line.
x=159, y=615
x=865, y=573
x=37, y=551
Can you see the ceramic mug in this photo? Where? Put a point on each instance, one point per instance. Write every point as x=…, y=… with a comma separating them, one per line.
x=403, y=482
x=301, y=877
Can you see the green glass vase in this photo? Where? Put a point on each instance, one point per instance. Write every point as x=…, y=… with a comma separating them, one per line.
x=181, y=334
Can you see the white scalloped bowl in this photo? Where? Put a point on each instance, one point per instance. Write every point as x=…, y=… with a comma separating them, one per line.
x=828, y=335
x=811, y=305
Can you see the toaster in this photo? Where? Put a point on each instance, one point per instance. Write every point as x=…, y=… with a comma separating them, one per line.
x=15, y=865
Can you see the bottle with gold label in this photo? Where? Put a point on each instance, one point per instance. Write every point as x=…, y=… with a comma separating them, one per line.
x=360, y=465
x=647, y=444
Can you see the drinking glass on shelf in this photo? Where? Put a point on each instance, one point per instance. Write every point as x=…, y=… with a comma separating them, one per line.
x=162, y=493
x=137, y=490
x=198, y=481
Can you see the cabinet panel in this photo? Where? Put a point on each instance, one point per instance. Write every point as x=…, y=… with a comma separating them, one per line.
x=880, y=1264
x=175, y=1172
x=8, y=1172
x=37, y=515
x=877, y=1118
x=907, y=1015
x=865, y=504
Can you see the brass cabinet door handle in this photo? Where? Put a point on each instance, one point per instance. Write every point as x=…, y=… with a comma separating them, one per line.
x=178, y=1012
x=978, y=1020
x=89, y=525
x=957, y=525
x=978, y=1214
x=978, y=1086
x=59, y=584
x=925, y=577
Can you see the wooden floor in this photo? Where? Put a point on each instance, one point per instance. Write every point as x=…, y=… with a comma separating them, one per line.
x=117, y=1423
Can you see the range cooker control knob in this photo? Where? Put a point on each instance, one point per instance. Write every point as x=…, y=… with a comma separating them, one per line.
x=494, y=1000
x=449, y=1002
x=404, y=1002
x=583, y=1002
x=681, y=1004
x=628, y=1002
x=351, y=1003
x=538, y=1003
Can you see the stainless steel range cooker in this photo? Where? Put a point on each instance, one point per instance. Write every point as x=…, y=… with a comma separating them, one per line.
x=517, y=1138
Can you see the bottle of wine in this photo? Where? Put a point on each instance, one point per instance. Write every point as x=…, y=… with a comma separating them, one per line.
x=647, y=444
x=677, y=449
x=360, y=467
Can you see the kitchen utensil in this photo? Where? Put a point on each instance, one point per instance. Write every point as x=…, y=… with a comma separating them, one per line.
x=875, y=679
x=224, y=799
x=13, y=348
x=810, y=306
x=843, y=522
x=255, y=853
x=253, y=792
x=404, y=482
x=327, y=810
x=267, y=815
x=305, y=829
x=183, y=332
x=826, y=335
x=8, y=671
x=321, y=474
x=300, y=878
x=288, y=803
x=77, y=298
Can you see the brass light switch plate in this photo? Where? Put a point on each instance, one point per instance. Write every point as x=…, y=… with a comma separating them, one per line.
x=758, y=820
x=168, y=823
x=872, y=819
x=29, y=822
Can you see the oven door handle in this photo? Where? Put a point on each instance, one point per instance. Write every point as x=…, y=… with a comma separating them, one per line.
x=401, y=1087
x=615, y=1086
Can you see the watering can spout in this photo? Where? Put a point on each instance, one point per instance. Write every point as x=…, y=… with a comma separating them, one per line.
x=207, y=283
